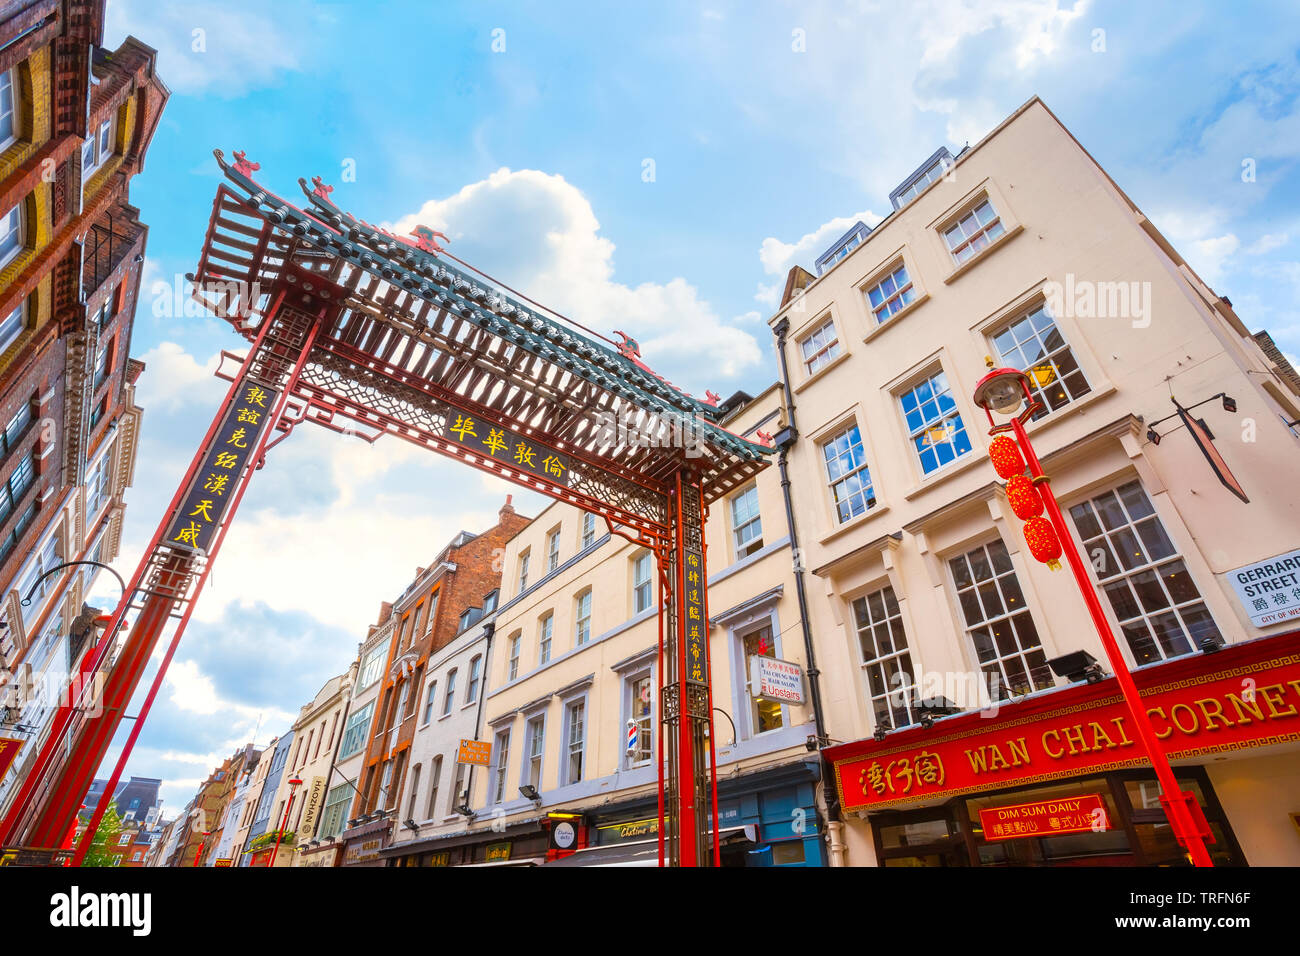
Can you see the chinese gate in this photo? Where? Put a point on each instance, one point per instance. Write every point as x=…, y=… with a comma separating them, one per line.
x=364, y=332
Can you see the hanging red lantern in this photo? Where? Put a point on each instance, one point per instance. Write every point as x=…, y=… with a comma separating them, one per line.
x=1024, y=498
x=1006, y=457
x=1042, y=541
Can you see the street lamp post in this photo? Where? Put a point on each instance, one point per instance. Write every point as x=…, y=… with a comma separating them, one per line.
x=294, y=784
x=1005, y=390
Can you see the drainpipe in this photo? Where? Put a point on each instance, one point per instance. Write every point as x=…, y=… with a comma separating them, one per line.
x=784, y=440
x=489, y=629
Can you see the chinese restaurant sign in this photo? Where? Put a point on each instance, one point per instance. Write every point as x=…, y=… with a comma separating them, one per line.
x=1244, y=701
x=697, y=661
x=1269, y=590
x=477, y=752
x=1045, y=818
x=498, y=852
x=203, y=508
x=508, y=447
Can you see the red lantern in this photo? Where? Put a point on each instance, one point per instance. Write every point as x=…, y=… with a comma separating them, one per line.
x=1006, y=457
x=1024, y=498
x=1042, y=541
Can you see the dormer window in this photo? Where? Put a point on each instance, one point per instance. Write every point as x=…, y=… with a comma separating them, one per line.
x=932, y=169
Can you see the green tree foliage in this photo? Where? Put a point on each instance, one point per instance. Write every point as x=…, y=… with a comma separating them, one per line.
x=101, y=853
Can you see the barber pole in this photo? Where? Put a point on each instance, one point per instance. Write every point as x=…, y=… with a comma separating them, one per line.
x=631, y=736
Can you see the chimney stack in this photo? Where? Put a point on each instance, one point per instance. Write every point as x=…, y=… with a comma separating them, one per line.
x=507, y=508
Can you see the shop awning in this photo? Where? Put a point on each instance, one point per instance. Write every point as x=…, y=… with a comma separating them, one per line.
x=526, y=861
x=641, y=852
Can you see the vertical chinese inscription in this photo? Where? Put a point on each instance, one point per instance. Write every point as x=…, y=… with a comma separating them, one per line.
x=204, y=507
x=697, y=662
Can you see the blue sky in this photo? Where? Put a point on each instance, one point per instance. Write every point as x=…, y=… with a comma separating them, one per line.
x=524, y=131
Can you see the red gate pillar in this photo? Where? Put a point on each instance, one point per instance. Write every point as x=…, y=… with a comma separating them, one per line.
x=691, y=789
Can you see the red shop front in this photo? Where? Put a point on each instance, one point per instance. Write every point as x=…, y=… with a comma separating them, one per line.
x=1059, y=778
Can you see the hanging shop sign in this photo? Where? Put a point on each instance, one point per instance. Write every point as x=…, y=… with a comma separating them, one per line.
x=311, y=809
x=1245, y=695
x=204, y=507
x=1205, y=442
x=508, y=447
x=1269, y=591
x=779, y=681
x=477, y=752
x=223, y=861
x=9, y=747
x=1081, y=814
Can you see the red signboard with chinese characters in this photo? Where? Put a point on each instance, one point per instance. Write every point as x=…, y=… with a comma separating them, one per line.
x=1045, y=818
x=9, y=748
x=1246, y=695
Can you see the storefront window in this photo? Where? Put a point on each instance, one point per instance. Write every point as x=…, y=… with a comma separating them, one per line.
x=1136, y=831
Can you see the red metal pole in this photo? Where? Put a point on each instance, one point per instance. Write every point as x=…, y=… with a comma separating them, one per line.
x=1180, y=817
x=708, y=663
x=277, y=414
x=199, y=854
x=687, y=829
x=656, y=714
x=293, y=791
x=60, y=725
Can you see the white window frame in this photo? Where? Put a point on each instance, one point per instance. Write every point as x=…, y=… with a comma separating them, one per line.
x=1013, y=341
x=860, y=466
x=9, y=84
x=892, y=300
x=581, y=620
x=534, y=750
x=744, y=544
x=101, y=144
x=524, y=556
x=881, y=625
x=970, y=232
x=545, y=635
x=475, y=677
x=449, y=694
x=553, y=550
x=825, y=349
x=1142, y=532
x=1012, y=617
x=644, y=559
x=575, y=748
x=500, y=767
x=950, y=421
x=645, y=722
x=588, y=536
x=512, y=661
x=13, y=236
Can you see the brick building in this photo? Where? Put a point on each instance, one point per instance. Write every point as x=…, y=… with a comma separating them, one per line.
x=446, y=598
x=75, y=123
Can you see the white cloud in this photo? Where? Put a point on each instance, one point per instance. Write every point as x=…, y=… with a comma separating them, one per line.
x=777, y=256
x=190, y=690
x=226, y=47
x=1266, y=243
x=557, y=254
x=174, y=379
